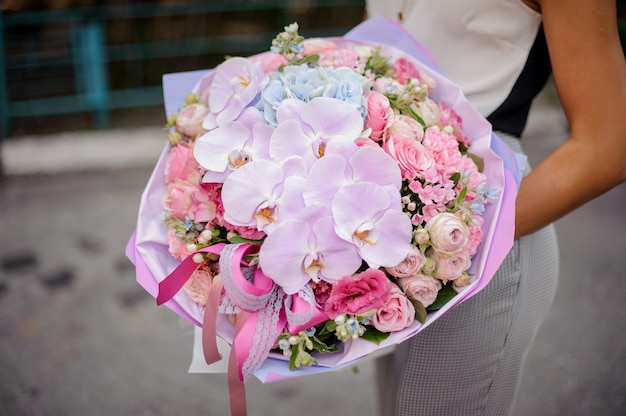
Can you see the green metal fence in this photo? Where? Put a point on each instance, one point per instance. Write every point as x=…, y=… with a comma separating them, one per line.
x=111, y=55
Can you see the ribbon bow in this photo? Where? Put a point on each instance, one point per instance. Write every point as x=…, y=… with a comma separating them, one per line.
x=265, y=311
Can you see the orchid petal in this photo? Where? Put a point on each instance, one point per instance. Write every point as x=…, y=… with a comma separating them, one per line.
x=247, y=188
x=393, y=240
x=370, y=164
x=235, y=84
x=289, y=140
x=283, y=262
x=289, y=204
x=331, y=118
x=326, y=176
x=363, y=215
x=355, y=204
x=340, y=257
x=289, y=109
x=212, y=149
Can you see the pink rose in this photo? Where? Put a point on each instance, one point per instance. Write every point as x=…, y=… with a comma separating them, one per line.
x=318, y=46
x=414, y=160
x=420, y=287
x=180, y=162
x=397, y=313
x=448, y=233
x=178, y=199
x=189, y=120
x=451, y=267
x=202, y=209
x=358, y=294
x=407, y=127
x=270, y=62
x=410, y=266
x=379, y=114
x=197, y=287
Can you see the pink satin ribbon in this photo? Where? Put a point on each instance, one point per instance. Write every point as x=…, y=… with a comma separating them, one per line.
x=257, y=298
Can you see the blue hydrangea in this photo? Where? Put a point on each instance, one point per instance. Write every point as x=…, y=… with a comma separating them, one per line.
x=305, y=83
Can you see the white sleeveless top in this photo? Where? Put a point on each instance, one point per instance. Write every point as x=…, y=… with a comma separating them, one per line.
x=482, y=45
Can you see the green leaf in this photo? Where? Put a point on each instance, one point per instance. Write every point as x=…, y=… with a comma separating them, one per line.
x=306, y=60
x=235, y=239
x=480, y=163
x=320, y=346
x=445, y=294
x=417, y=117
x=329, y=328
x=292, y=359
x=420, y=310
x=374, y=335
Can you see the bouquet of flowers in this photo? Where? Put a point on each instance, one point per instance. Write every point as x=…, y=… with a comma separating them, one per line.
x=320, y=201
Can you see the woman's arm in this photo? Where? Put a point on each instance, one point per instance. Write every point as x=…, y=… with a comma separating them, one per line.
x=590, y=77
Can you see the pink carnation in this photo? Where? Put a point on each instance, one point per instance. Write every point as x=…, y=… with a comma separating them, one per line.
x=197, y=287
x=448, y=117
x=475, y=236
x=445, y=151
x=176, y=246
x=339, y=58
x=405, y=70
x=358, y=294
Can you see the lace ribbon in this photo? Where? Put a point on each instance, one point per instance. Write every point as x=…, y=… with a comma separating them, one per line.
x=256, y=299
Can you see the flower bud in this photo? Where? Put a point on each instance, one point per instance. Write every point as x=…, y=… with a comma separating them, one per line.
x=421, y=236
x=174, y=138
x=462, y=280
x=429, y=266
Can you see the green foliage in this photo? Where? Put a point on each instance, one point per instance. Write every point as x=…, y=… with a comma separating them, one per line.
x=444, y=296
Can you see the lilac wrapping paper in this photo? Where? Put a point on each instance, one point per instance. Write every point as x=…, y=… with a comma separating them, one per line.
x=148, y=247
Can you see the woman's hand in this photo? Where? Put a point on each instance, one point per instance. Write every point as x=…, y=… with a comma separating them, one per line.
x=590, y=77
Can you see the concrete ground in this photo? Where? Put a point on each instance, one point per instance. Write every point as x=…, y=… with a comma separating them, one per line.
x=80, y=337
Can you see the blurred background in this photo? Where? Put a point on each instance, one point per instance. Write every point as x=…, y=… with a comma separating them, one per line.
x=82, y=117
x=80, y=64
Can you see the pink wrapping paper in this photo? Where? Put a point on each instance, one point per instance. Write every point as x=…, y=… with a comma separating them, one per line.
x=148, y=247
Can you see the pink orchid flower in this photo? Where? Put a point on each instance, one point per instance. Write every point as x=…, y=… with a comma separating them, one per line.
x=305, y=128
x=314, y=252
x=368, y=216
x=224, y=149
x=263, y=193
x=235, y=84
